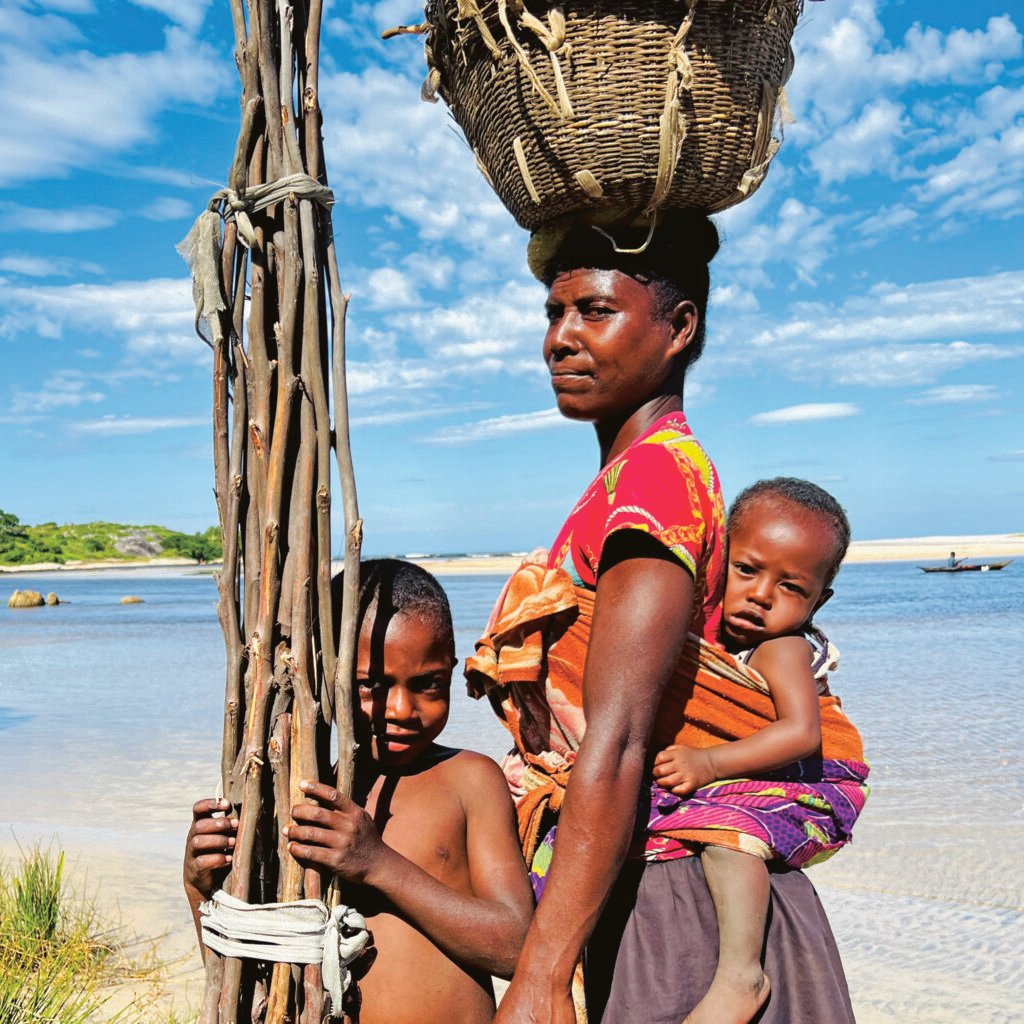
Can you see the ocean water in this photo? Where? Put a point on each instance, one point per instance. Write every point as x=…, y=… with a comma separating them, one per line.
x=110, y=729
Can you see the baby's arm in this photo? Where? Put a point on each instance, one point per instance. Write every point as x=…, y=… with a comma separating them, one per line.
x=483, y=929
x=785, y=665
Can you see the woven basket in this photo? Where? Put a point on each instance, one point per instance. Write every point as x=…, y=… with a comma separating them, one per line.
x=610, y=110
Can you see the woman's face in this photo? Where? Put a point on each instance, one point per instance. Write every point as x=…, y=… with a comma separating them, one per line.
x=606, y=349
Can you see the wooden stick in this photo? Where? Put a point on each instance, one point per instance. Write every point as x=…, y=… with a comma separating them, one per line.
x=276, y=352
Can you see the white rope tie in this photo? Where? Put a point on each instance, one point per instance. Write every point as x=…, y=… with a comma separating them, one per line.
x=201, y=247
x=299, y=932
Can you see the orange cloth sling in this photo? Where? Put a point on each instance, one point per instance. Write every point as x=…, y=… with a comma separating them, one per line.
x=529, y=664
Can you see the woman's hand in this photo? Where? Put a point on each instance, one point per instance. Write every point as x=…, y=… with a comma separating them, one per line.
x=682, y=769
x=335, y=834
x=526, y=1003
x=208, y=847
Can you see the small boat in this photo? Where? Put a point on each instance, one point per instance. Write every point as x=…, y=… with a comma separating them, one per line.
x=963, y=567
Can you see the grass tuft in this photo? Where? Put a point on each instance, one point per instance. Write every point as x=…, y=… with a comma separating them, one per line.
x=58, y=963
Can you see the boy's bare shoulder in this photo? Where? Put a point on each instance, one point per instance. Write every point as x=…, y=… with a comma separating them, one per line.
x=469, y=772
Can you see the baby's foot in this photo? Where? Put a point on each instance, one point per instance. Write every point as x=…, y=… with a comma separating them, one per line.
x=732, y=999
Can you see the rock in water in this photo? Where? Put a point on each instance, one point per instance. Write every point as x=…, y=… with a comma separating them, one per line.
x=130, y=599
x=52, y=598
x=26, y=599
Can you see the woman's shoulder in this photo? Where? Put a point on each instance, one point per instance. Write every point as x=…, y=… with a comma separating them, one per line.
x=672, y=445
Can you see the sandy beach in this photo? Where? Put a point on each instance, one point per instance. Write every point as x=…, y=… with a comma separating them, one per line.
x=107, y=565
x=902, y=549
x=110, y=721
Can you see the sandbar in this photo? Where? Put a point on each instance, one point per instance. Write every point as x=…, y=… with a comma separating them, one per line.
x=933, y=549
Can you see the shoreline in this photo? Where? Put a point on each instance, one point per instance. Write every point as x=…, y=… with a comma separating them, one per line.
x=107, y=564
x=901, y=549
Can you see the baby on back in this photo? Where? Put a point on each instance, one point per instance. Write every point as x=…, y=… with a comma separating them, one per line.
x=786, y=541
x=426, y=847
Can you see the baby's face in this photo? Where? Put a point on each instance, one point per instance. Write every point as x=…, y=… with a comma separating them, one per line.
x=779, y=558
x=403, y=675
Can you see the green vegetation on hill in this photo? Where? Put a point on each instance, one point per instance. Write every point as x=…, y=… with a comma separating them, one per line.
x=21, y=544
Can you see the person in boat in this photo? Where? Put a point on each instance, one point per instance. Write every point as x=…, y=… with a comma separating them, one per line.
x=953, y=562
x=427, y=845
x=780, y=793
x=580, y=652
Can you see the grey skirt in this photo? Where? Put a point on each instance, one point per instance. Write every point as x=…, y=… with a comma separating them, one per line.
x=654, y=951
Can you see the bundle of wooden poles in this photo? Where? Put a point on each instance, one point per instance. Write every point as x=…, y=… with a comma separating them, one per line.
x=278, y=333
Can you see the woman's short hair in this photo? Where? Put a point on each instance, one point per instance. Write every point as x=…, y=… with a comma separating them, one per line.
x=674, y=263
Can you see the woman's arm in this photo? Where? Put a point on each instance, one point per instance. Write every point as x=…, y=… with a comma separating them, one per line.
x=482, y=929
x=785, y=664
x=641, y=619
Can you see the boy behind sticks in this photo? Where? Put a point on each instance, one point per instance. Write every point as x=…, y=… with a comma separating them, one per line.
x=427, y=846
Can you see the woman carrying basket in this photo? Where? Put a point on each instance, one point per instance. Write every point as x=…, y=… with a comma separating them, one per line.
x=584, y=660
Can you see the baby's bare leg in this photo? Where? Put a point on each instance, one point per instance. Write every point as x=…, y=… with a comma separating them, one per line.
x=739, y=889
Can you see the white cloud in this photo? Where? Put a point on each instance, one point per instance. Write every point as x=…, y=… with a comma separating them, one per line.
x=843, y=60
x=928, y=56
x=27, y=29
x=189, y=13
x=955, y=394
x=70, y=6
x=862, y=145
x=899, y=366
x=733, y=297
x=482, y=348
x=14, y=217
x=118, y=426
x=169, y=208
x=411, y=415
x=984, y=176
x=808, y=413
x=389, y=289
x=502, y=322
x=26, y=265
x=801, y=236
x=387, y=149
x=63, y=390
x=154, y=316
x=64, y=109
x=933, y=309
x=391, y=375
x=499, y=426
x=887, y=219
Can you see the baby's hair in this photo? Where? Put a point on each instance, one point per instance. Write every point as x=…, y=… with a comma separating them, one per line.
x=393, y=586
x=809, y=496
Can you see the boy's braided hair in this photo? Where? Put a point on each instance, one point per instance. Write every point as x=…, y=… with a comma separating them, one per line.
x=809, y=496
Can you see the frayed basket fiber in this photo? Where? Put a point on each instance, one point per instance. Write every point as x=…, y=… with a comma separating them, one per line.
x=608, y=111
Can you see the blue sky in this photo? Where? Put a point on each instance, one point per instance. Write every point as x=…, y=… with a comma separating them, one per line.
x=866, y=321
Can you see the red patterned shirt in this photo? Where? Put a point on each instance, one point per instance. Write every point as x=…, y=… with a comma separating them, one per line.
x=664, y=484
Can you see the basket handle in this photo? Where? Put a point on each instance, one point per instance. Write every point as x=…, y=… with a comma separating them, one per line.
x=671, y=124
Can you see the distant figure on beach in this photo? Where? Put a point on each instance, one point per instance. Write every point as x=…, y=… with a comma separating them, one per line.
x=429, y=839
x=585, y=660
x=786, y=541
